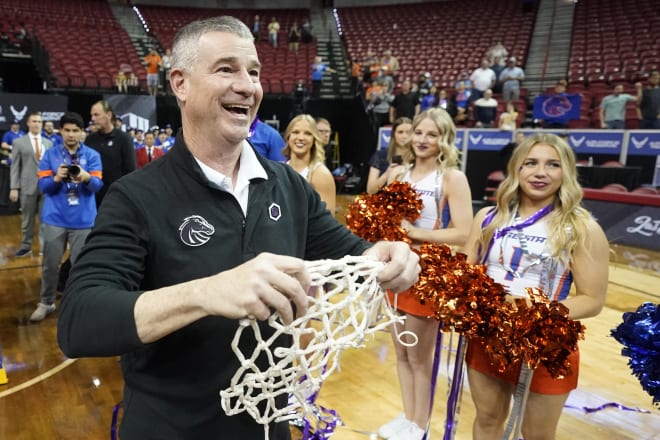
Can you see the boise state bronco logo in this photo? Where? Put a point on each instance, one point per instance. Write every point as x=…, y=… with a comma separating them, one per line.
x=195, y=230
x=557, y=106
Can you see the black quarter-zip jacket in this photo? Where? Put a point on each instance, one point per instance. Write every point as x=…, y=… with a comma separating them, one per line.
x=164, y=225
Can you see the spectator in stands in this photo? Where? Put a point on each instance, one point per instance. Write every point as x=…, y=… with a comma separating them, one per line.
x=25, y=156
x=133, y=84
x=325, y=132
x=443, y=100
x=482, y=78
x=648, y=109
x=389, y=65
x=306, y=31
x=152, y=63
x=379, y=104
x=386, y=159
x=460, y=101
x=464, y=81
x=446, y=216
x=510, y=79
x=69, y=176
x=497, y=67
x=429, y=100
x=114, y=146
x=273, y=30
x=166, y=67
x=538, y=236
x=612, y=111
x=50, y=133
x=560, y=121
x=150, y=152
x=509, y=118
x=256, y=27
x=485, y=110
x=163, y=141
x=405, y=103
x=497, y=54
x=371, y=66
x=318, y=70
x=355, y=70
x=14, y=132
x=266, y=140
x=120, y=82
x=294, y=38
x=424, y=84
x=305, y=153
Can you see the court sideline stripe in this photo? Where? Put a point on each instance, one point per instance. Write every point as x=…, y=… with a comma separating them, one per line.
x=37, y=379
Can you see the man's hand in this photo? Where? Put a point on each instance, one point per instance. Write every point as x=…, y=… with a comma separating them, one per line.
x=259, y=287
x=402, y=264
x=13, y=195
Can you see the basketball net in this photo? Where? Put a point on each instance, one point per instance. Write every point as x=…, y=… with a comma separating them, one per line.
x=346, y=309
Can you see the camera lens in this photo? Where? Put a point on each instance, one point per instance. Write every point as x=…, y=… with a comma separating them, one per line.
x=74, y=171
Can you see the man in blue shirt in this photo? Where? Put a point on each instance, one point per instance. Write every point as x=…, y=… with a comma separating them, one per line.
x=69, y=176
x=11, y=134
x=267, y=141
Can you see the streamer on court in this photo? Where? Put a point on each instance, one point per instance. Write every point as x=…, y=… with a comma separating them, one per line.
x=349, y=305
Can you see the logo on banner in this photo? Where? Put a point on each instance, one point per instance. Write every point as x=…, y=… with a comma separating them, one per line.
x=19, y=114
x=577, y=142
x=639, y=144
x=476, y=139
x=646, y=226
x=2, y=117
x=557, y=106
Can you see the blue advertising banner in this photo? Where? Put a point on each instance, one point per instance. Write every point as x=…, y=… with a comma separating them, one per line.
x=596, y=141
x=627, y=224
x=16, y=106
x=385, y=133
x=644, y=143
x=557, y=108
x=487, y=140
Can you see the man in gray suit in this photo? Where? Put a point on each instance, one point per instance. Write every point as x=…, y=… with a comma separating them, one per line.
x=25, y=157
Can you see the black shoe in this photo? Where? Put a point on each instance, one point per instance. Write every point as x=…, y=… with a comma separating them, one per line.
x=23, y=253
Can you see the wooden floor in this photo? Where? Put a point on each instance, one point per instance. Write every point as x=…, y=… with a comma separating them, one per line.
x=51, y=397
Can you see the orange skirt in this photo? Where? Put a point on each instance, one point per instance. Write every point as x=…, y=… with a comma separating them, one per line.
x=409, y=303
x=542, y=382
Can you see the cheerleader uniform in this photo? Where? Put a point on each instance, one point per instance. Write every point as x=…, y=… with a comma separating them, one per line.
x=519, y=258
x=435, y=215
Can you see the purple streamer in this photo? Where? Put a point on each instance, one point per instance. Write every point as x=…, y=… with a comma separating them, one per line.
x=589, y=410
x=456, y=385
x=437, y=354
x=113, y=423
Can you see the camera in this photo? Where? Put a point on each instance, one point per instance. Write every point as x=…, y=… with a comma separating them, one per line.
x=74, y=171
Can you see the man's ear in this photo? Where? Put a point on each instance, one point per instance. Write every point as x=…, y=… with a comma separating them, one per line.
x=178, y=83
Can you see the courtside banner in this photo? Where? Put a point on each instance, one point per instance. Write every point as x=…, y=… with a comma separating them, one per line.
x=596, y=141
x=16, y=106
x=487, y=140
x=627, y=224
x=644, y=143
x=385, y=134
x=135, y=111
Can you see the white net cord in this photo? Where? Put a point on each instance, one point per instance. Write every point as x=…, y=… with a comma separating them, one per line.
x=341, y=315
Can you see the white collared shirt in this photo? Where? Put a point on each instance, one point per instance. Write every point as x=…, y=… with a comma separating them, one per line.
x=249, y=168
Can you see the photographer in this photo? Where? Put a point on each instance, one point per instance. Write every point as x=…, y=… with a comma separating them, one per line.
x=69, y=176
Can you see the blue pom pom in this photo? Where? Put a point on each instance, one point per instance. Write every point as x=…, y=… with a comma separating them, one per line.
x=640, y=335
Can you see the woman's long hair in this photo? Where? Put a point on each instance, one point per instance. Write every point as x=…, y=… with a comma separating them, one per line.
x=392, y=146
x=567, y=220
x=448, y=156
x=317, y=153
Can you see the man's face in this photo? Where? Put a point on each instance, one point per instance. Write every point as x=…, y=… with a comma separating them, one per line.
x=34, y=124
x=70, y=135
x=149, y=139
x=169, y=132
x=220, y=93
x=15, y=127
x=101, y=118
x=618, y=89
x=139, y=136
x=325, y=131
x=49, y=127
x=654, y=79
x=162, y=137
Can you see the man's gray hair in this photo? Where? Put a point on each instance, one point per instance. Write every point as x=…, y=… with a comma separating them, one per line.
x=185, y=47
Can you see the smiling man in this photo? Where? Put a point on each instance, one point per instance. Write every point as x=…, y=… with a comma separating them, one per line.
x=184, y=248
